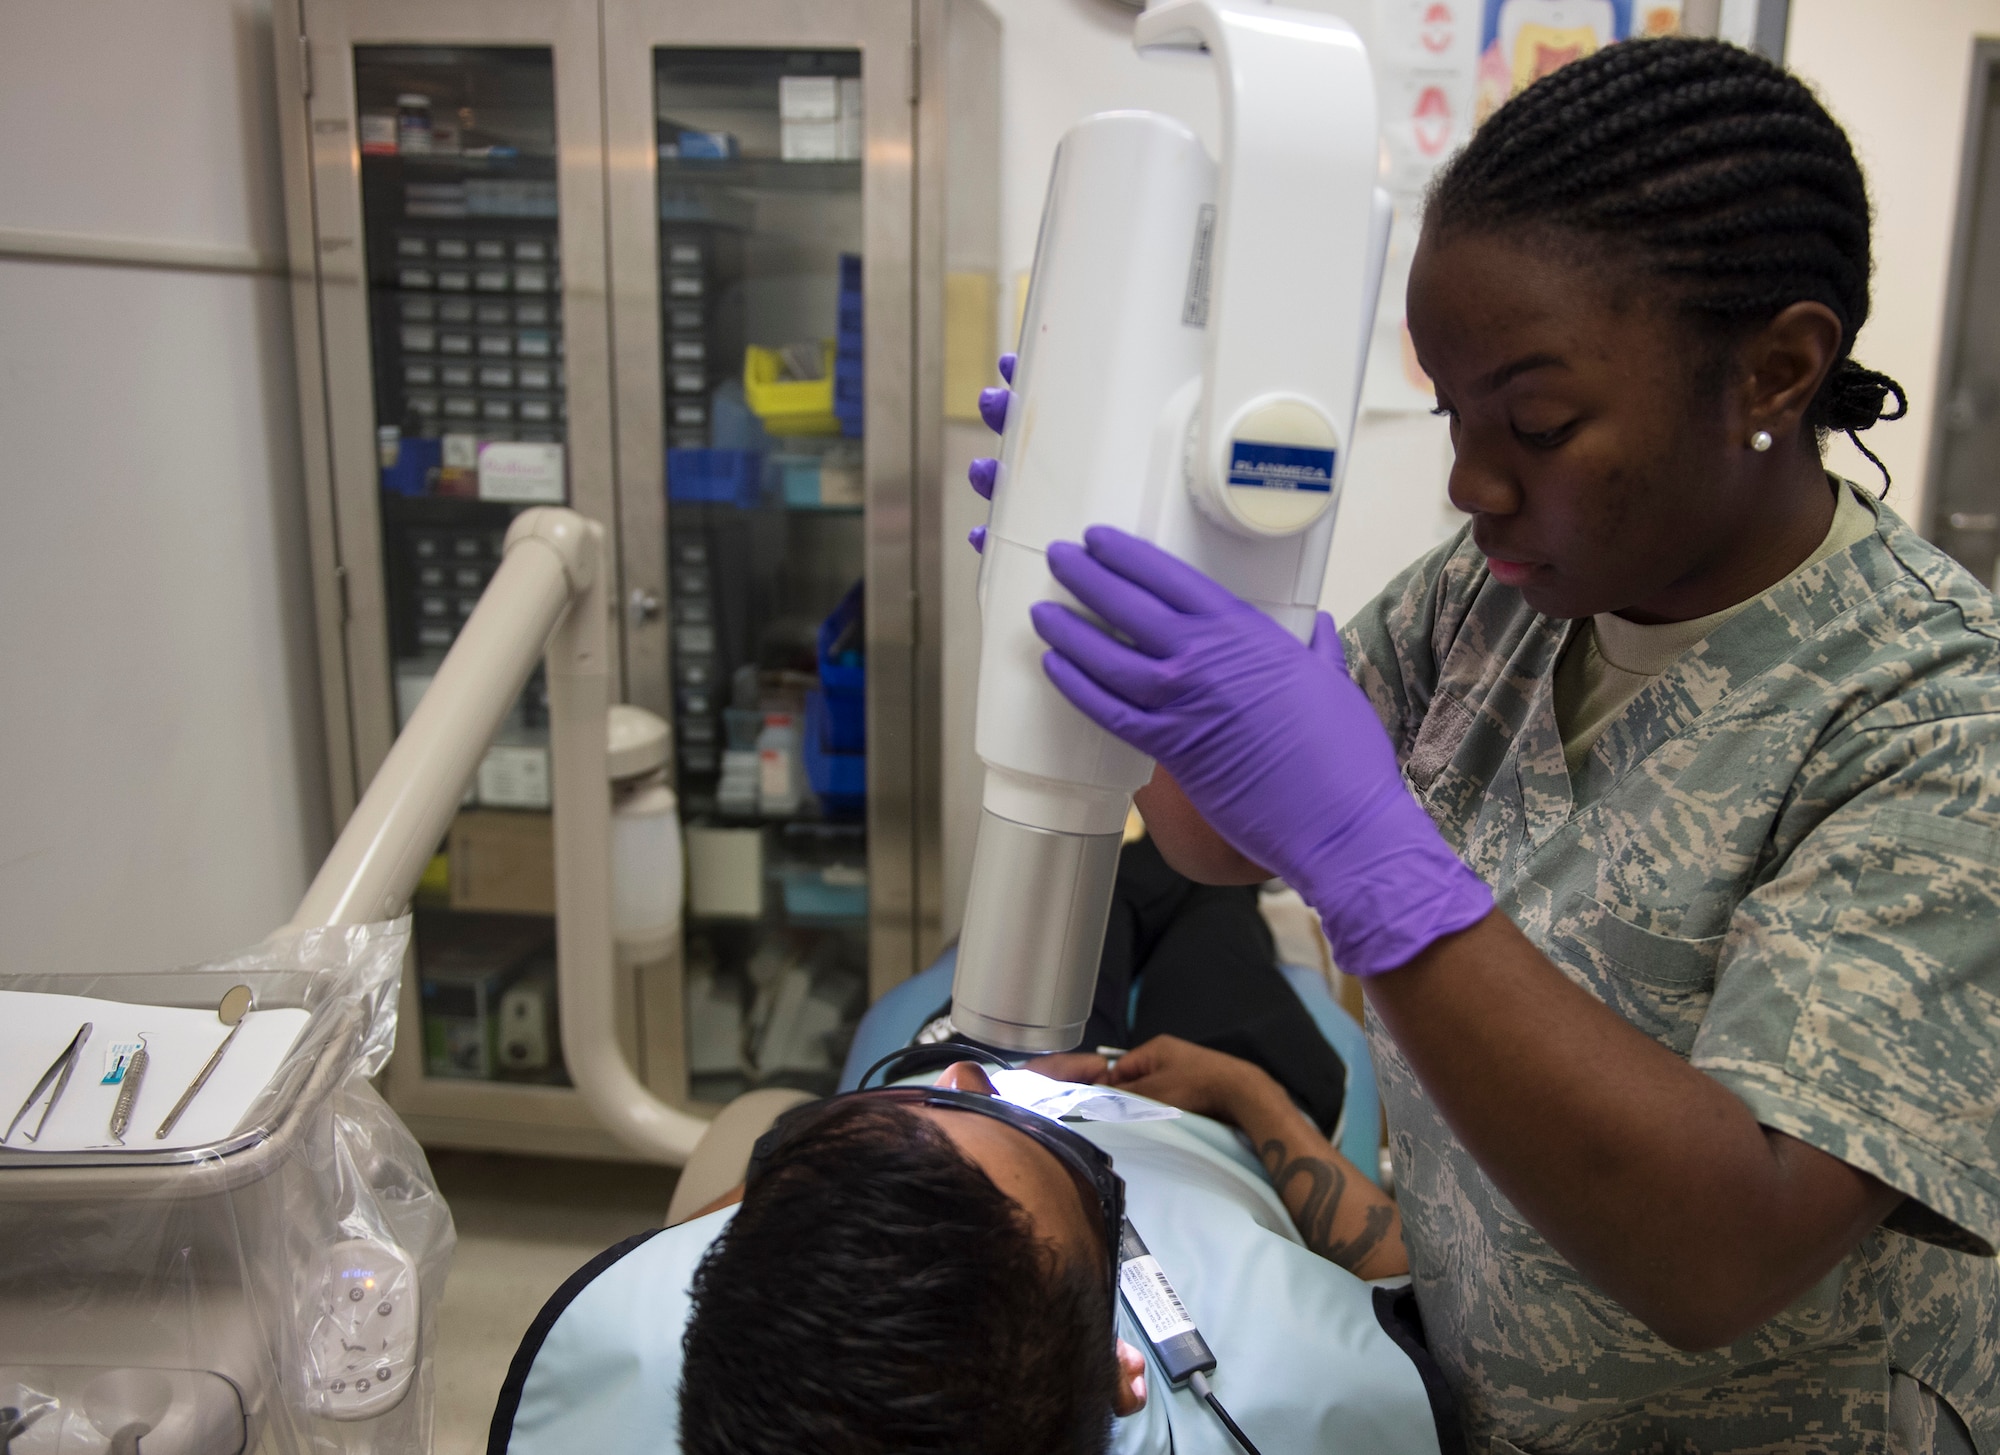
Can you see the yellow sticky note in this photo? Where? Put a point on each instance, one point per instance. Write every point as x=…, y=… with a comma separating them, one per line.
x=968, y=342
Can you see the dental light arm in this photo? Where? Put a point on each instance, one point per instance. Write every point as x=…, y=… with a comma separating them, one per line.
x=1190, y=365
x=550, y=557
x=548, y=592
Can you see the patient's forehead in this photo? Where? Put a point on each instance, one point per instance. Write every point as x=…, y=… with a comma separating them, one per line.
x=1021, y=1168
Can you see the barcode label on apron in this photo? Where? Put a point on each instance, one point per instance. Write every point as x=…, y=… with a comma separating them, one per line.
x=1152, y=1299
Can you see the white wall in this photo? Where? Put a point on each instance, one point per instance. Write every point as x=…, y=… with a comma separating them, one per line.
x=1896, y=76
x=162, y=786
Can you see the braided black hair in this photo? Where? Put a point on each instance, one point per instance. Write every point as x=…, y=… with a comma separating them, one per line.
x=1720, y=170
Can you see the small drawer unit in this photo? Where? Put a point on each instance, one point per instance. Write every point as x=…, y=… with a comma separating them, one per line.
x=448, y=293
x=701, y=266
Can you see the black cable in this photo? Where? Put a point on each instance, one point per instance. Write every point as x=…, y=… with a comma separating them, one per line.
x=1198, y=1382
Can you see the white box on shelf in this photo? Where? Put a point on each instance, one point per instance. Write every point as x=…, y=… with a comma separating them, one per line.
x=850, y=119
x=809, y=141
x=795, y=1035
x=808, y=98
x=715, y=1025
x=522, y=473
x=514, y=775
x=461, y=451
x=725, y=872
x=413, y=680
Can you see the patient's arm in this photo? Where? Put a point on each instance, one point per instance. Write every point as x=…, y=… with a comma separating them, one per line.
x=1337, y=1210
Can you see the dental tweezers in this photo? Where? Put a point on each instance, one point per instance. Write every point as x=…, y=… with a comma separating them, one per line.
x=59, y=1073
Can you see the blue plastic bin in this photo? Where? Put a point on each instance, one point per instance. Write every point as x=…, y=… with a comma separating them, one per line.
x=839, y=780
x=415, y=460
x=844, y=681
x=847, y=407
x=715, y=477
x=847, y=365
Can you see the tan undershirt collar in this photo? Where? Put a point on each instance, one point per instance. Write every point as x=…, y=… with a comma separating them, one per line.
x=1615, y=659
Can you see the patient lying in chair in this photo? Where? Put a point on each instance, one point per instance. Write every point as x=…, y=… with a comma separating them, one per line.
x=902, y=1273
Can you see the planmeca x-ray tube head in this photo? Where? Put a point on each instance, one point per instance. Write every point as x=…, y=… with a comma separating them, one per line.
x=1190, y=363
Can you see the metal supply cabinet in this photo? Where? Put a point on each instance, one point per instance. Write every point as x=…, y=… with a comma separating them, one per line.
x=698, y=271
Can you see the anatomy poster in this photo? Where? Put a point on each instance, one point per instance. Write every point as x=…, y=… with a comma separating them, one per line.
x=1425, y=52
x=1441, y=68
x=1522, y=41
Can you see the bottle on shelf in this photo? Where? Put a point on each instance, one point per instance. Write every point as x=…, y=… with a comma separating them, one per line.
x=780, y=768
x=413, y=124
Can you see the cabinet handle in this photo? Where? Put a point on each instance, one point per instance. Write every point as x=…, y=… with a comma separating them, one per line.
x=1973, y=520
x=643, y=605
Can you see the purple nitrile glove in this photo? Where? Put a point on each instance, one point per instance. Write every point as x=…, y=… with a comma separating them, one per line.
x=983, y=471
x=1270, y=739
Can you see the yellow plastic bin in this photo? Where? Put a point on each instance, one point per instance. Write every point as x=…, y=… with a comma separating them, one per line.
x=788, y=407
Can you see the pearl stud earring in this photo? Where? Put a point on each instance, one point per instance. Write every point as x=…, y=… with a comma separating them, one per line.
x=1761, y=441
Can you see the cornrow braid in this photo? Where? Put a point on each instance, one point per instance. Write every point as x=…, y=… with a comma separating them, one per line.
x=1721, y=171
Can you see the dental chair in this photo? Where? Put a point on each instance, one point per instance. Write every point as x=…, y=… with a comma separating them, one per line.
x=600, y=1366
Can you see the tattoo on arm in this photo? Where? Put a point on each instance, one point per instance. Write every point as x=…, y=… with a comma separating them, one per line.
x=1319, y=1203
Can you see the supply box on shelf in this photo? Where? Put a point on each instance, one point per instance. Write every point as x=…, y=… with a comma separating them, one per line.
x=843, y=673
x=839, y=780
x=715, y=477
x=836, y=726
x=789, y=406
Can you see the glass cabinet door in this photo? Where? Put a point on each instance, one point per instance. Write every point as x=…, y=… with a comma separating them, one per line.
x=762, y=363
x=457, y=215
x=464, y=260
x=667, y=262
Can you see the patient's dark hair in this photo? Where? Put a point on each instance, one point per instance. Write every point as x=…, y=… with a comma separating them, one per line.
x=876, y=1293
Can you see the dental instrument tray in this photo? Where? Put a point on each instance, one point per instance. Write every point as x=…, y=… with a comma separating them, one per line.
x=168, y=1016
x=264, y=1279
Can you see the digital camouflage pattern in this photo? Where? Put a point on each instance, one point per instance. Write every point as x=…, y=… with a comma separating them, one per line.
x=1782, y=860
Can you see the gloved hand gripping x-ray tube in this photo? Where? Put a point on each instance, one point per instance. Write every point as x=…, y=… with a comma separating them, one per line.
x=1190, y=363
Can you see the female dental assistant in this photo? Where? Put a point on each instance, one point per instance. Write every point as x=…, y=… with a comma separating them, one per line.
x=1675, y=877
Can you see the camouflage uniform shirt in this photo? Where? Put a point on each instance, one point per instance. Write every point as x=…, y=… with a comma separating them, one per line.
x=1782, y=861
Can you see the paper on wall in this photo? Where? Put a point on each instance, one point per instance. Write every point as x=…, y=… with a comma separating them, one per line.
x=1441, y=68
x=1424, y=52
x=1395, y=382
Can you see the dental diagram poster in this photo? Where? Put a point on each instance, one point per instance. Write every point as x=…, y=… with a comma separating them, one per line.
x=1441, y=68
x=35, y=1028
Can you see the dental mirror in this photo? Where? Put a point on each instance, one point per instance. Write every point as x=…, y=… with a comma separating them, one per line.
x=237, y=1003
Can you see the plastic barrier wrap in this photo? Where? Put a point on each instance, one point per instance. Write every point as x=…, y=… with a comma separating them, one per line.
x=276, y=1290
